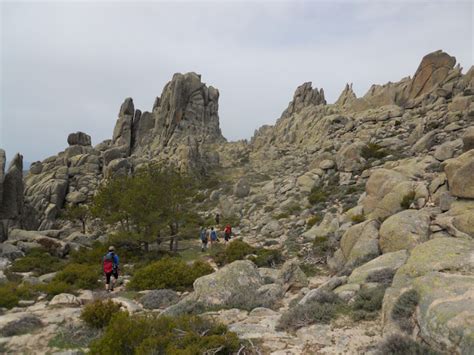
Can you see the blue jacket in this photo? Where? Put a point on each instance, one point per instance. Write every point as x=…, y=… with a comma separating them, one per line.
x=115, y=259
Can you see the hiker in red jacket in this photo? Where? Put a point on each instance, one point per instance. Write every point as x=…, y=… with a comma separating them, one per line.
x=227, y=232
x=110, y=265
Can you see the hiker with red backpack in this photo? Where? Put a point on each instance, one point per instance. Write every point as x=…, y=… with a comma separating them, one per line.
x=227, y=233
x=110, y=265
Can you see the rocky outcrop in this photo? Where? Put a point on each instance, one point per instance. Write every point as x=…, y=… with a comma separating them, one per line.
x=79, y=138
x=304, y=96
x=11, y=194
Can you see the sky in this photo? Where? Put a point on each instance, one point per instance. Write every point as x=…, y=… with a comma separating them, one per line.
x=66, y=66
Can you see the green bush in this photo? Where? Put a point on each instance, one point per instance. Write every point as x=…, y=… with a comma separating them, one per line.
x=92, y=256
x=168, y=272
x=73, y=336
x=313, y=220
x=317, y=195
x=358, y=218
x=235, y=250
x=267, y=257
x=11, y=293
x=37, y=261
x=79, y=276
x=382, y=276
x=54, y=288
x=310, y=270
x=321, y=246
x=281, y=215
x=407, y=200
x=374, y=151
x=164, y=335
x=99, y=313
x=404, y=309
x=400, y=345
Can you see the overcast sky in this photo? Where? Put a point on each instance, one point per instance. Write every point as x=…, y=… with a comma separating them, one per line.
x=67, y=66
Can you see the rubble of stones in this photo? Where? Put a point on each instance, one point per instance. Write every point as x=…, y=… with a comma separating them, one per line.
x=408, y=212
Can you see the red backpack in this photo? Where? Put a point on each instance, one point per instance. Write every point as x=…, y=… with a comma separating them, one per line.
x=108, y=263
x=228, y=230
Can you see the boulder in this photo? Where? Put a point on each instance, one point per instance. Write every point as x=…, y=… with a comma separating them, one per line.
x=389, y=261
x=468, y=139
x=291, y=276
x=79, y=138
x=242, y=188
x=446, y=150
x=359, y=243
x=460, y=103
x=76, y=197
x=404, y=230
x=65, y=300
x=234, y=286
x=159, y=299
x=10, y=251
x=349, y=158
x=459, y=172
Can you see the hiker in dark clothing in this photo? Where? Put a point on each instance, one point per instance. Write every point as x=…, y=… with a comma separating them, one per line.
x=110, y=265
x=227, y=232
x=218, y=218
x=203, y=237
x=213, y=236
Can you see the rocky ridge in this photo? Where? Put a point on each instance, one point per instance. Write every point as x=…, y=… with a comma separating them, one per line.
x=388, y=177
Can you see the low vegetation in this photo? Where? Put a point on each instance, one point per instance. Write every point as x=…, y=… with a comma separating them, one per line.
x=358, y=218
x=80, y=276
x=404, y=309
x=373, y=151
x=239, y=250
x=407, y=200
x=313, y=220
x=11, y=293
x=38, y=261
x=367, y=303
x=163, y=335
x=99, y=313
x=172, y=273
x=402, y=345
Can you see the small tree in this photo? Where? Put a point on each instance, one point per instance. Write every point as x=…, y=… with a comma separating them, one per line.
x=144, y=204
x=79, y=213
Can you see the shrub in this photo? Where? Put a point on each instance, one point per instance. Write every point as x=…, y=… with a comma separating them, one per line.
x=168, y=272
x=313, y=220
x=235, y=250
x=37, y=261
x=358, y=218
x=8, y=296
x=307, y=314
x=268, y=209
x=23, y=325
x=400, y=345
x=11, y=293
x=99, y=313
x=79, y=276
x=404, y=309
x=164, y=335
x=72, y=336
x=92, y=256
x=267, y=258
x=321, y=245
x=310, y=270
x=407, y=200
x=369, y=299
x=374, y=151
x=317, y=195
x=54, y=288
x=281, y=215
x=382, y=276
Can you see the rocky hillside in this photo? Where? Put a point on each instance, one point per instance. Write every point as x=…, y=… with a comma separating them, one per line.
x=376, y=192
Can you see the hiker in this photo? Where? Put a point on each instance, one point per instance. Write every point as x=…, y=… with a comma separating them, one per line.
x=218, y=218
x=213, y=236
x=227, y=233
x=110, y=264
x=204, y=239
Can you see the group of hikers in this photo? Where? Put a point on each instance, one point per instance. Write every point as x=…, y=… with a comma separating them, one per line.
x=209, y=236
x=110, y=261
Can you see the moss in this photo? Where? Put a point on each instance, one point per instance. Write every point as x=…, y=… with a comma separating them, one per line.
x=358, y=218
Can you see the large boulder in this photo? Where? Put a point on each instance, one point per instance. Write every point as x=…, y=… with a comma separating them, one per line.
x=79, y=138
x=242, y=188
x=234, y=286
x=459, y=172
x=468, y=139
x=441, y=271
x=291, y=275
x=433, y=69
x=349, y=158
x=404, y=230
x=359, y=243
